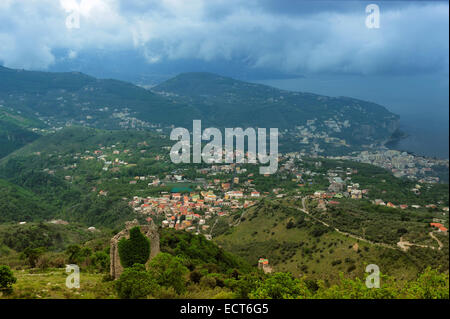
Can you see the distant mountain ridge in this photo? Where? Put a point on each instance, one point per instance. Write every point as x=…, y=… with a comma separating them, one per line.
x=236, y=103
x=59, y=99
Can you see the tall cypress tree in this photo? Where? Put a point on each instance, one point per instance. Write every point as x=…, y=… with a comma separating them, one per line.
x=135, y=250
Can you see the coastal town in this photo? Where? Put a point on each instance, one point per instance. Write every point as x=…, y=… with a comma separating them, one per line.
x=401, y=164
x=198, y=198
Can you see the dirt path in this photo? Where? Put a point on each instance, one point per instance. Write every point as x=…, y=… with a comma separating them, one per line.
x=212, y=228
x=437, y=240
x=240, y=219
x=404, y=244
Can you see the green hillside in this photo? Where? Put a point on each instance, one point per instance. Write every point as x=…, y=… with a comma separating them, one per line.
x=75, y=139
x=63, y=98
x=42, y=168
x=16, y=130
x=294, y=242
x=19, y=204
x=75, y=97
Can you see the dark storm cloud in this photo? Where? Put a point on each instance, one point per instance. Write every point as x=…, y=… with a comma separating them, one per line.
x=290, y=36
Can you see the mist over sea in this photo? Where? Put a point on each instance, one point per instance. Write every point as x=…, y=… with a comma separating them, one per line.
x=421, y=101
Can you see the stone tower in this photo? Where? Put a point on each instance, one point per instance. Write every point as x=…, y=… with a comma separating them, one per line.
x=150, y=231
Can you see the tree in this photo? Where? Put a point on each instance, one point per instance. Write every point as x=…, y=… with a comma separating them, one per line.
x=356, y=288
x=135, y=283
x=281, y=286
x=32, y=255
x=290, y=224
x=429, y=285
x=100, y=260
x=74, y=253
x=169, y=271
x=245, y=284
x=7, y=279
x=195, y=276
x=135, y=250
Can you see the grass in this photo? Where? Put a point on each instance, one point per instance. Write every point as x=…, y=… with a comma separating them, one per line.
x=51, y=284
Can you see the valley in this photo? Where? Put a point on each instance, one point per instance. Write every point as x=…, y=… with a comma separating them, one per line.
x=84, y=156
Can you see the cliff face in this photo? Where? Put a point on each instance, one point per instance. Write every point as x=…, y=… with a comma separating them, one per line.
x=393, y=125
x=379, y=132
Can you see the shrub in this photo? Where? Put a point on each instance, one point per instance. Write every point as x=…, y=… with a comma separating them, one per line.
x=429, y=285
x=357, y=289
x=135, y=283
x=351, y=268
x=167, y=293
x=290, y=224
x=336, y=262
x=74, y=254
x=281, y=286
x=169, y=271
x=208, y=282
x=57, y=260
x=100, y=260
x=32, y=255
x=135, y=250
x=195, y=276
x=7, y=279
x=318, y=230
x=244, y=284
x=43, y=262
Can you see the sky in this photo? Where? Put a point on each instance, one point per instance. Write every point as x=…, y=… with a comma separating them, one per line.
x=292, y=37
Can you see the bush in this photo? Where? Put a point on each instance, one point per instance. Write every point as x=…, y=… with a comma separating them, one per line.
x=281, y=286
x=318, y=230
x=57, y=261
x=7, y=279
x=336, y=262
x=195, y=276
x=208, y=282
x=169, y=271
x=135, y=283
x=290, y=224
x=100, y=260
x=43, y=262
x=245, y=284
x=429, y=285
x=74, y=254
x=351, y=268
x=357, y=289
x=135, y=250
x=167, y=293
x=32, y=255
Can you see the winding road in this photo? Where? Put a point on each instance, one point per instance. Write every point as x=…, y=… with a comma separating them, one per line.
x=403, y=245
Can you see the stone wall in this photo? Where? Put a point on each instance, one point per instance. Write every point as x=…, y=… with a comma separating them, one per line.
x=150, y=231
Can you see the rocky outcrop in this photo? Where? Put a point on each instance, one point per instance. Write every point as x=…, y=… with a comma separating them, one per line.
x=150, y=231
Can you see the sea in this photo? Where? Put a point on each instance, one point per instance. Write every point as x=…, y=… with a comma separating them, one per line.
x=422, y=101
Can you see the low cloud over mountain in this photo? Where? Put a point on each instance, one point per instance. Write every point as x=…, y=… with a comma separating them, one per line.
x=301, y=38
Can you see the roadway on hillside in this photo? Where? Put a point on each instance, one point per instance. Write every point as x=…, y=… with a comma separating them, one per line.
x=403, y=245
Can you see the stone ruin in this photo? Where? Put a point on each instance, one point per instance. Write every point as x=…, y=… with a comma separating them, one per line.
x=150, y=231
